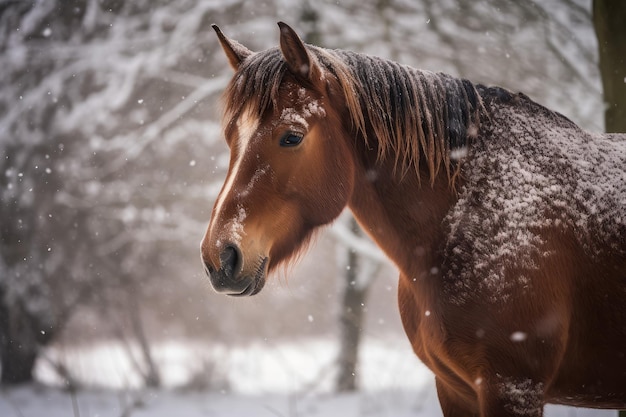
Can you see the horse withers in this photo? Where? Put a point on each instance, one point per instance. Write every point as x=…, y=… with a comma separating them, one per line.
x=506, y=220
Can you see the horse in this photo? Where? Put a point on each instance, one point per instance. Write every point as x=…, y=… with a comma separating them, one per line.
x=506, y=220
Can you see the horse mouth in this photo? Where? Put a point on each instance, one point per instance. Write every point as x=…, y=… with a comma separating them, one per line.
x=256, y=282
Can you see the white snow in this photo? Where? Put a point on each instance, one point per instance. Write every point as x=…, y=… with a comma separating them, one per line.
x=524, y=395
x=264, y=379
x=536, y=172
x=518, y=336
x=460, y=153
x=236, y=225
x=340, y=230
x=291, y=116
x=258, y=368
x=258, y=174
x=35, y=401
x=44, y=402
x=307, y=108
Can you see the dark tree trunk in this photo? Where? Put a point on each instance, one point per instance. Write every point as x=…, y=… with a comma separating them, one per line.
x=351, y=322
x=18, y=363
x=20, y=338
x=608, y=19
x=151, y=375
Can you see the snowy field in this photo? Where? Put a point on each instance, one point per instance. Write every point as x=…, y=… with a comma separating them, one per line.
x=49, y=402
x=259, y=380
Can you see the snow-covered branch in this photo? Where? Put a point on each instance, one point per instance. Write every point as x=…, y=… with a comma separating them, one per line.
x=134, y=143
x=341, y=231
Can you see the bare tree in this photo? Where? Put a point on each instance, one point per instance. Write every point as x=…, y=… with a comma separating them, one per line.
x=93, y=97
x=608, y=18
x=360, y=271
x=42, y=241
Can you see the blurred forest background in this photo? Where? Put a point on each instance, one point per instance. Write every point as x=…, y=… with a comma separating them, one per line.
x=111, y=156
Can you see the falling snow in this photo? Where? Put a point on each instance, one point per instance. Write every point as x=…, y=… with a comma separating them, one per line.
x=518, y=336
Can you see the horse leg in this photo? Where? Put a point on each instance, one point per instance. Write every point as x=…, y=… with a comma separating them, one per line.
x=452, y=405
x=511, y=397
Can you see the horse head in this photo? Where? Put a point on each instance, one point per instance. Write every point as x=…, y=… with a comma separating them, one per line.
x=290, y=170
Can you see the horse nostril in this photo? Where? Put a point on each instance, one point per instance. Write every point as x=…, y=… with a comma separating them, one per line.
x=229, y=258
x=208, y=268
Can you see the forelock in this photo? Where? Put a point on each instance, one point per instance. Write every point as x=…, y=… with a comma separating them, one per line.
x=255, y=85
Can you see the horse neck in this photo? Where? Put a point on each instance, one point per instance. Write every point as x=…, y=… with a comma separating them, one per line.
x=403, y=217
x=401, y=213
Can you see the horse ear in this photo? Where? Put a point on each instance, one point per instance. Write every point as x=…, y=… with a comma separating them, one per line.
x=235, y=52
x=294, y=52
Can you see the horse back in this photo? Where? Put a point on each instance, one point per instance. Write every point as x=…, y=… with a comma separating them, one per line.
x=535, y=251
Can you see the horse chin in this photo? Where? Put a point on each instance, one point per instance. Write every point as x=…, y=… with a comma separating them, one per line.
x=255, y=286
x=256, y=282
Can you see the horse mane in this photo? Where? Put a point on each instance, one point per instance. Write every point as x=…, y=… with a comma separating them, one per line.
x=412, y=114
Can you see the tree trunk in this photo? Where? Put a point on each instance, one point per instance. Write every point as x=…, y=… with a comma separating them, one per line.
x=608, y=19
x=20, y=338
x=18, y=362
x=129, y=327
x=351, y=321
x=151, y=375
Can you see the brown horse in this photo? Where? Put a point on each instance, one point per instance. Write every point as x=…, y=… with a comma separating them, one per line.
x=506, y=220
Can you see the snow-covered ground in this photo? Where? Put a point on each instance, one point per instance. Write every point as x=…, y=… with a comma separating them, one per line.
x=257, y=368
x=45, y=402
x=37, y=401
x=263, y=379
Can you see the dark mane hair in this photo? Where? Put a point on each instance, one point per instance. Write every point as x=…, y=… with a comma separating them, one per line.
x=411, y=114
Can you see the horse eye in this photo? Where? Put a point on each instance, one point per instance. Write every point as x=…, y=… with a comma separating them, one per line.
x=290, y=139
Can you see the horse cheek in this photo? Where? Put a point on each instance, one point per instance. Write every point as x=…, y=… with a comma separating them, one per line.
x=339, y=183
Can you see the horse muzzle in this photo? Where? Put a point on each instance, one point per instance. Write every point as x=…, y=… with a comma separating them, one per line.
x=230, y=279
